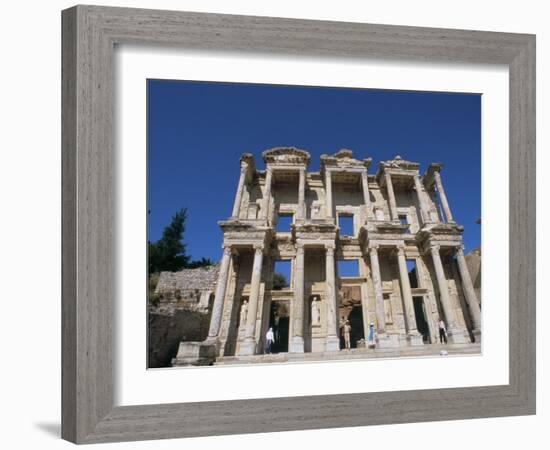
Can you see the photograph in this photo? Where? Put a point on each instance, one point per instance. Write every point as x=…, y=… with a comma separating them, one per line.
x=307, y=223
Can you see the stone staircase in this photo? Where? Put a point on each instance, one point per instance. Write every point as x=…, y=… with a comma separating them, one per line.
x=427, y=350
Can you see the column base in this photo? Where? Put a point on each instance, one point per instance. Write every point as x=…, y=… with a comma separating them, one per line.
x=477, y=336
x=457, y=337
x=195, y=354
x=212, y=343
x=247, y=347
x=332, y=344
x=415, y=339
x=296, y=345
x=387, y=341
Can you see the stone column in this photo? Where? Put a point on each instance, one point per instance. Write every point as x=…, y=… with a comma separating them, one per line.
x=455, y=336
x=239, y=195
x=302, y=195
x=378, y=296
x=469, y=292
x=391, y=197
x=423, y=209
x=443, y=198
x=332, y=340
x=217, y=308
x=410, y=320
x=267, y=194
x=328, y=192
x=248, y=346
x=366, y=195
x=297, y=341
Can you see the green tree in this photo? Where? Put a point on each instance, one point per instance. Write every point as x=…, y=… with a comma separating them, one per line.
x=169, y=252
x=203, y=262
x=279, y=281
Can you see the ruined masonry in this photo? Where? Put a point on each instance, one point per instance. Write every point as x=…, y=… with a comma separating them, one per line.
x=403, y=241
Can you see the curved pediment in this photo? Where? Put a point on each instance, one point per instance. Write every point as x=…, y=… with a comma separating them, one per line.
x=286, y=155
x=343, y=159
x=399, y=163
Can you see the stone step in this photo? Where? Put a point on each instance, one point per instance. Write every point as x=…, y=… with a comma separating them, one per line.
x=429, y=350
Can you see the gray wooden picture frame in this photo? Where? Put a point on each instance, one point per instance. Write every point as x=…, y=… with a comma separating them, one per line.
x=89, y=36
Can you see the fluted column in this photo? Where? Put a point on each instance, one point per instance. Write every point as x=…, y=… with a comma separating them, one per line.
x=366, y=195
x=469, y=292
x=391, y=197
x=302, y=195
x=239, y=195
x=443, y=198
x=248, y=346
x=297, y=341
x=378, y=296
x=217, y=308
x=267, y=193
x=410, y=319
x=332, y=341
x=328, y=193
x=450, y=319
x=425, y=215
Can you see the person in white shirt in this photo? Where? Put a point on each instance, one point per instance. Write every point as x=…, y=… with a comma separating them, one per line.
x=442, y=330
x=269, y=340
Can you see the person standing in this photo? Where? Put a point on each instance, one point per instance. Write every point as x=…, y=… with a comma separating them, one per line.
x=370, y=336
x=442, y=331
x=269, y=338
x=347, y=331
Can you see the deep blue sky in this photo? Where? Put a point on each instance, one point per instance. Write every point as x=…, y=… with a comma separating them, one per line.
x=197, y=131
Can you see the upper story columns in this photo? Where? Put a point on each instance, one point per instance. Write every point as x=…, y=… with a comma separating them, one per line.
x=443, y=198
x=391, y=197
x=284, y=163
x=347, y=170
x=247, y=171
x=433, y=178
x=328, y=193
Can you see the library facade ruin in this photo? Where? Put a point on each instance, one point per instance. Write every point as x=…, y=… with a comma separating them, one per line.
x=358, y=247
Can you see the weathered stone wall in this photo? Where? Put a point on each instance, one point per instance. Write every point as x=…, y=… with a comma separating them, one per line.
x=473, y=261
x=183, y=312
x=189, y=280
x=167, y=326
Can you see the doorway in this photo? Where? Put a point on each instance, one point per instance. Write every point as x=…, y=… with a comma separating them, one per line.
x=421, y=323
x=356, y=322
x=279, y=320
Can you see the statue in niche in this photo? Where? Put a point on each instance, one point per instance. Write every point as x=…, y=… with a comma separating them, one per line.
x=315, y=210
x=315, y=312
x=244, y=311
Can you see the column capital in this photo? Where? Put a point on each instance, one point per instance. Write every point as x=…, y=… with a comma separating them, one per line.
x=460, y=249
x=258, y=248
x=330, y=248
x=300, y=248
x=400, y=250
x=227, y=249
x=374, y=247
x=435, y=247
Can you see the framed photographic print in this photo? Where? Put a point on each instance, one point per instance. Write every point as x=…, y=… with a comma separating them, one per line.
x=289, y=217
